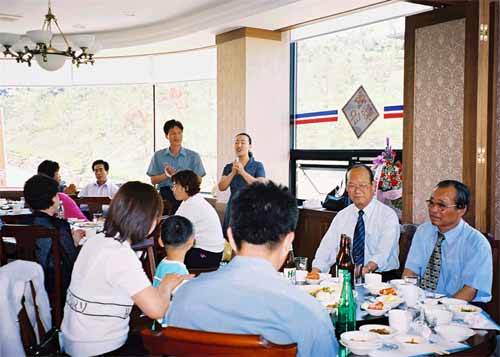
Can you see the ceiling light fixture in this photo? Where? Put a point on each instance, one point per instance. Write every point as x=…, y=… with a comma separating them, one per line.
x=41, y=45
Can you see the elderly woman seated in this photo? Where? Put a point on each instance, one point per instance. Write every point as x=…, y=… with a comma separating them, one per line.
x=40, y=192
x=209, y=241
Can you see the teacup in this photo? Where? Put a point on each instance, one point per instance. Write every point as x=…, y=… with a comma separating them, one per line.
x=411, y=294
x=437, y=316
x=373, y=278
x=400, y=320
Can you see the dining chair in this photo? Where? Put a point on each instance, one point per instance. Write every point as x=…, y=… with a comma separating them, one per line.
x=174, y=341
x=94, y=204
x=146, y=248
x=26, y=237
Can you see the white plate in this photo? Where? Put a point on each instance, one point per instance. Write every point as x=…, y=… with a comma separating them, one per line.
x=375, y=312
x=452, y=301
x=368, y=328
x=454, y=333
x=463, y=310
x=359, y=342
x=392, y=301
x=374, y=289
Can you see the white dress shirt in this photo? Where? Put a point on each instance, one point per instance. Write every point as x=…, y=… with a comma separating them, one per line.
x=381, y=236
x=107, y=189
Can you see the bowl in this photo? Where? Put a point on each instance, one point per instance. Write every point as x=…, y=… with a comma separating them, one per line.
x=410, y=342
x=374, y=289
x=454, y=333
x=437, y=316
x=452, y=301
x=383, y=331
x=360, y=342
x=313, y=281
x=392, y=301
x=375, y=312
x=461, y=311
x=397, y=282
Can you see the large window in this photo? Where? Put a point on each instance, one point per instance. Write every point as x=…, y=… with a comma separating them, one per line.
x=327, y=70
x=114, y=111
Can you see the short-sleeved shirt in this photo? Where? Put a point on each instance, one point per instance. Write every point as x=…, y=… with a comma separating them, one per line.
x=206, y=223
x=106, y=275
x=248, y=296
x=185, y=160
x=253, y=168
x=168, y=267
x=465, y=259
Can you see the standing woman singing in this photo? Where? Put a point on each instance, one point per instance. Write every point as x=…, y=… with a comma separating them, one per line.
x=243, y=171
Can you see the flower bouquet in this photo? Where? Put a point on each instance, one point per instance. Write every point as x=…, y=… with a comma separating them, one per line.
x=389, y=178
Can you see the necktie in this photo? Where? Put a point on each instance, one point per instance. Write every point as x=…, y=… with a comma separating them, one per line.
x=431, y=274
x=358, y=245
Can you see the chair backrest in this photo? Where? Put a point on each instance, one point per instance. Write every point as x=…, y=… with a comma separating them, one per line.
x=493, y=306
x=176, y=341
x=94, y=204
x=147, y=256
x=407, y=231
x=26, y=237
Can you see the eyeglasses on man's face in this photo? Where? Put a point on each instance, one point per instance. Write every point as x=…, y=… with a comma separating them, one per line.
x=439, y=205
x=361, y=186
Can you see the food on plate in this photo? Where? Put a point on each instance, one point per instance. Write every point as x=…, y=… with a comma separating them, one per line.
x=312, y=275
x=468, y=309
x=388, y=291
x=379, y=305
x=380, y=331
x=412, y=341
x=325, y=289
x=332, y=305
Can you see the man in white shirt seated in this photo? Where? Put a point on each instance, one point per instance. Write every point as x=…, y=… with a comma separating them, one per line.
x=373, y=227
x=102, y=187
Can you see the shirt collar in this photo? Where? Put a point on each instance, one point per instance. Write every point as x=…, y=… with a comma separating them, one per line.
x=253, y=264
x=182, y=152
x=453, y=234
x=104, y=184
x=368, y=209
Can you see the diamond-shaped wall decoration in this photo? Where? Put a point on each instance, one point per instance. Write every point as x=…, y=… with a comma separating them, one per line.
x=360, y=111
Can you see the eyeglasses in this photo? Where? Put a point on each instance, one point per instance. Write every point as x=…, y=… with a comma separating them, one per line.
x=361, y=186
x=439, y=205
x=173, y=186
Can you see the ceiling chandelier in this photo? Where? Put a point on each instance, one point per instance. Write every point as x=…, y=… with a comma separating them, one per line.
x=41, y=45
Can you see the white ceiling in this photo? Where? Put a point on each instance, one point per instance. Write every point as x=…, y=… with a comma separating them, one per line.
x=124, y=23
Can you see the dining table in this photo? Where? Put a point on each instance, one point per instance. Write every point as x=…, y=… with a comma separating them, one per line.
x=482, y=343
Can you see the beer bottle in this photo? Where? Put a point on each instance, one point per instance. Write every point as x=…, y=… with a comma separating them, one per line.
x=290, y=270
x=344, y=259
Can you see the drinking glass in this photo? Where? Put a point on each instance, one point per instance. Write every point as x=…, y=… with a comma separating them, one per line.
x=358, y=276
x=413, y=280
x=301, y=263
x=96, y=217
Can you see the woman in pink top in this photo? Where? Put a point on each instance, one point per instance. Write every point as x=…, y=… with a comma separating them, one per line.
x=71, y=210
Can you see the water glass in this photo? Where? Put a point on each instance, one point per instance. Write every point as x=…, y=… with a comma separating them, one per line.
x=96, y=217
x=301, y=263
x=413, y=280
x=358, y=276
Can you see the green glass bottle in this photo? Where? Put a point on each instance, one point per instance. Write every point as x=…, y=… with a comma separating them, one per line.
x=346, y=318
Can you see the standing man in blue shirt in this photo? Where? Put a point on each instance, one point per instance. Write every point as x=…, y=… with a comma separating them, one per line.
x=373, y=226
x=448, y=255
x=167, y=162
x=248, y=296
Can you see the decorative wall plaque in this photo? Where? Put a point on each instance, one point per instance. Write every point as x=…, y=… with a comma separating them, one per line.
x=360, y=111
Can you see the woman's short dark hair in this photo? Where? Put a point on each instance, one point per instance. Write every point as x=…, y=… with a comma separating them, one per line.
x=176, y=230
x=462, y=198
x=169, y=124
x=263, y=213
x=48, y=167
x=189, y=180
x=39, y=192
x=133, y=210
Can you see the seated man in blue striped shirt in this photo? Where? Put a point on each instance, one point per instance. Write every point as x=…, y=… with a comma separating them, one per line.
x=248, y=296
x=448, y=255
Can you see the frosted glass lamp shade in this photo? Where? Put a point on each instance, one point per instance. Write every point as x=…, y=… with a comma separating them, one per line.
x=54, y=62
x=8, y=39
x=40, y=36
x=82, y=40
x=24, y=41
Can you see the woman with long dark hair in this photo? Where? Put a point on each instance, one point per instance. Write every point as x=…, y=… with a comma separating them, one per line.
x=108, y=279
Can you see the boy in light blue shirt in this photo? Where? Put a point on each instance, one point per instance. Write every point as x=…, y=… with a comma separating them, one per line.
x=177, y=238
